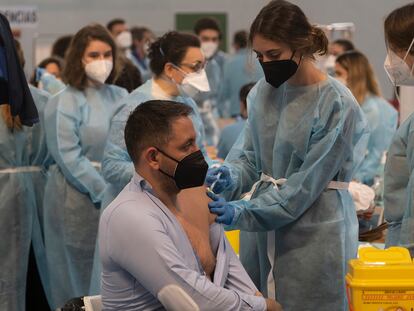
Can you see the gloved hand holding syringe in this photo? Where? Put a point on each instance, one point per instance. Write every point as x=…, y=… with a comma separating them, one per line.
x=218, y=179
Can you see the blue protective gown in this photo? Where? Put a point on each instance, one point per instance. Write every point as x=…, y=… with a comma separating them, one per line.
x=117, y=167
x=207, y=102
x=23, y=153
x=221, y=58
x=228, y=137
x=399, y=188
x=50, y=84
x=310, y=135
x=76, y=125
x=382, y=120
x=38, y=153
x=238, y=71
x=143, y=66
x=40, y=158
x=17, y=209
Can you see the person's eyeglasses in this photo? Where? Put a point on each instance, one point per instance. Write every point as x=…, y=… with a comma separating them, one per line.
x=197, y=67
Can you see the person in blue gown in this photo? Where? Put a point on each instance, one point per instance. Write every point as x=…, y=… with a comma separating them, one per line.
x=355, y=71
x=239, y=70
x=230, y=133
x=303, y=140
x=398, y=176
x=77, y=122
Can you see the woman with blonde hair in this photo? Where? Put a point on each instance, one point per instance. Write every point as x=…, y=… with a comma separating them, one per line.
x=355, y=71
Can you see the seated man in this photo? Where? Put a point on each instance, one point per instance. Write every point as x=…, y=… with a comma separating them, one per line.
x=144, y=237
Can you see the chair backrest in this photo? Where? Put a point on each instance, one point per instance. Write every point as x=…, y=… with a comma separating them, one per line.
x=93, y=303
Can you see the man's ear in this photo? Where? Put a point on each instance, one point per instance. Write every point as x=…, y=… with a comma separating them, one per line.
x=152, y=157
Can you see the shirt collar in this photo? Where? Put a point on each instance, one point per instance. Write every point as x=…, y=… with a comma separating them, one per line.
x=158, y=92
x=142, y=184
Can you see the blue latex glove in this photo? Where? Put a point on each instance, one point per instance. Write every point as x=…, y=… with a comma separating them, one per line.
x=224, y=210
x=219, y=179
x=39, y=73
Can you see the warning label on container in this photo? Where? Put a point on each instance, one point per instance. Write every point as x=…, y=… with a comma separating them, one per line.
x=391, y=296
x=392, y=300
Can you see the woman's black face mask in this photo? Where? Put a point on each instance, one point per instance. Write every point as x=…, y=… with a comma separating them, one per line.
x=279, y=71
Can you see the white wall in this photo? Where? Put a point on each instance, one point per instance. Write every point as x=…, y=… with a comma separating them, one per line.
x=368, y=17
x=57, y=17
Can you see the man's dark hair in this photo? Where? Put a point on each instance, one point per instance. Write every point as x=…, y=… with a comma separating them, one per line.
x=240, y=38
x=170, y=48
x=150, y=125
x=345, y=44
x=244, y=91
x=61, y=45
x=206, y=23
x=138, y=32
x=129, y=77
x=112, y=23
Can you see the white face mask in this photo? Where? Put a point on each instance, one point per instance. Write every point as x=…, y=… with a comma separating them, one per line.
x=99, y=70
x=124, y=39
x=397, y=69
x=194, y=83
x=209, y=48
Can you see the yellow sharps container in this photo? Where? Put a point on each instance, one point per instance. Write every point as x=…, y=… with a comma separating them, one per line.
x=381, y=280
x=233, y=237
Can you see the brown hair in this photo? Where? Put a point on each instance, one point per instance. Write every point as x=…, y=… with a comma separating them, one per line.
x=361, y=79
x=61, y=45
x=285, y=22
x=154, y=116
x=170, y=48
x=399, y=28
x=13, y=123
x=74, y=74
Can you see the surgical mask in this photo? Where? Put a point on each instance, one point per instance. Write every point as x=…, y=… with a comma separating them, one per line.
x=99, y=70
x=279, y=71
x=193, y=83
x=190, y=172
x=397, y=69
x=124, y=39
x=209, y=48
